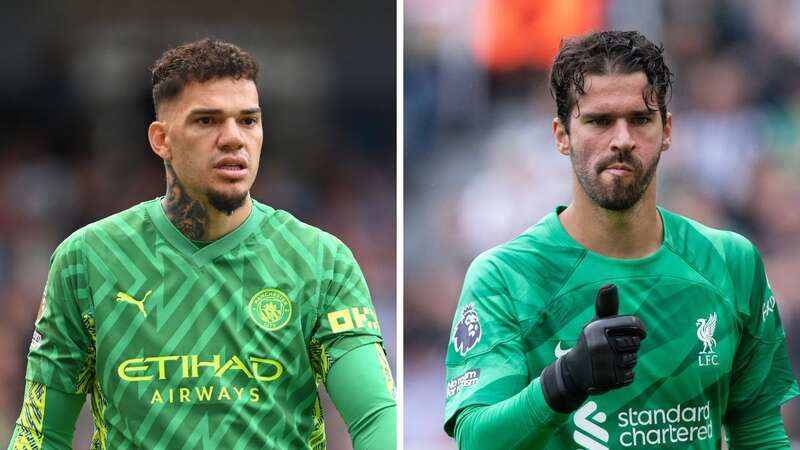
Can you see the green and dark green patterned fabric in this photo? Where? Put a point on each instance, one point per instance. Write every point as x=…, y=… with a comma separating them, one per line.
x=200, y=348
x=30, y=435
x=715, y=352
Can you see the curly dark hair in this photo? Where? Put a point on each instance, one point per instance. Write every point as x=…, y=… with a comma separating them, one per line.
x=608, y=52
x=199, y=61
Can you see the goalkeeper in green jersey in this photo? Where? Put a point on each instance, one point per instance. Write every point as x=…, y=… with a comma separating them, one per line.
x=613, y=323
x=205, y=319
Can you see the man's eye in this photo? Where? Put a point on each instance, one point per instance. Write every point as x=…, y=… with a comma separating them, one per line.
x=250, y=121
x=205, y=120
x=641, y=120
x=600, y=122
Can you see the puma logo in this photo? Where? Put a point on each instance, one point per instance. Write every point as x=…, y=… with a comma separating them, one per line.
x=123, y=297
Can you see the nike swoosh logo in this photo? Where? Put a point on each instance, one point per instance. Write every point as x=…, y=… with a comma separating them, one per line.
x=559, y=352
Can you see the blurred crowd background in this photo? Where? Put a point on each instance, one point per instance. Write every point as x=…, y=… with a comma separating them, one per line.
x=75, y=104
x=481, y=164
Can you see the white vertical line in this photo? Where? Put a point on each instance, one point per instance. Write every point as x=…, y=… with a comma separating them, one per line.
x=399, y=232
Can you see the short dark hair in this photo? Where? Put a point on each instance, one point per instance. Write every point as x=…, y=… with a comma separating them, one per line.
x=608, y=52
x=199, y=61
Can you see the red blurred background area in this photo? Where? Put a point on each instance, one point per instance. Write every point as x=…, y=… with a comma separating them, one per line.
x=510, y=34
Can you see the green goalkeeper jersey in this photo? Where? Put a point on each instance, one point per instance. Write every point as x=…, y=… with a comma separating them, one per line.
x=714, y=355
x=219, y=347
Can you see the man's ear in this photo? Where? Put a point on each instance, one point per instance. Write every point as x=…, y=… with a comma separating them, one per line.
x=157, y=135
x=666, y=139
x=562, y=137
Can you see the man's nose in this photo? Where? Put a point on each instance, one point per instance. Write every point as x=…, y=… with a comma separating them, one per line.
x=230, y=137
x=622, y=139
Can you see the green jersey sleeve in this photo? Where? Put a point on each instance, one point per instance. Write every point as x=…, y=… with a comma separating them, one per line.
x=61, y=354
x=485, y=356
x=762, y=433
x=347, y=318
x=762, y=376
x=361, y=387
x=47, y=420
x=527, y=413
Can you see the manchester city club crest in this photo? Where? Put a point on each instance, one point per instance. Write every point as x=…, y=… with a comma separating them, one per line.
x=468, y=330
x=270, y=308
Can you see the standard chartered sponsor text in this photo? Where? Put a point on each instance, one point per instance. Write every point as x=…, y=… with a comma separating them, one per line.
x=665, y=426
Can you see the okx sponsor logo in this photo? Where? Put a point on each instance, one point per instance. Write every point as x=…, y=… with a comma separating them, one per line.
x=648, y=428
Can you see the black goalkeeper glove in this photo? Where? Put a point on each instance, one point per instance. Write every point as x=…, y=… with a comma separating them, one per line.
x=603, y=359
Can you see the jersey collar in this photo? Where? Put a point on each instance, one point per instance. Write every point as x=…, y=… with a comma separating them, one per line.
x=556, y=230
x=211, y=251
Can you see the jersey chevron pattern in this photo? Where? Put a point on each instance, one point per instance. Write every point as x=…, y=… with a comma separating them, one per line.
x=714, y=355
x=200, y=346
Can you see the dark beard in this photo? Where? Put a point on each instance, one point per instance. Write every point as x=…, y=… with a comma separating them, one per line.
x=226, y=203
x=618, y=197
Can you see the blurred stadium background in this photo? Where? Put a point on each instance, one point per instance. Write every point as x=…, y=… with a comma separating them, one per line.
x=75, y=105
x=481, y=166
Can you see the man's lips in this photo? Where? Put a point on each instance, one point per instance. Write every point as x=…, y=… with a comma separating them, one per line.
x=619, y=169
x=231, y=162
x=231, y=168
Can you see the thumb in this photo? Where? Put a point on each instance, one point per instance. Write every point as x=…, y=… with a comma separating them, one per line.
x=607, y=304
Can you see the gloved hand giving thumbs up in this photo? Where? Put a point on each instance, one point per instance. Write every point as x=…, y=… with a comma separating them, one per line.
x=603, y=359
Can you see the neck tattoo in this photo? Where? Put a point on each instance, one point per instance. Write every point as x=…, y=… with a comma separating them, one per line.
x=186, y=213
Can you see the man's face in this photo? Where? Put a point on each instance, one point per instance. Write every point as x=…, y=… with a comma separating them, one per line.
x=615, y=141
x=214, y=137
